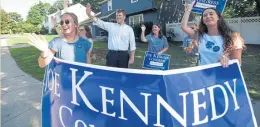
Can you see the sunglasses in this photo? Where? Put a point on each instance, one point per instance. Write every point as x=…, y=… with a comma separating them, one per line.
x=66, y=22
x=81, y=30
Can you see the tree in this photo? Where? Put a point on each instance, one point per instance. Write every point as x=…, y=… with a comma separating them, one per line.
x=36, y=16
x=37, y=13
x=242, y=8
x=15, y=17
x=169, y=11
x=58, y=5
x=5, y=22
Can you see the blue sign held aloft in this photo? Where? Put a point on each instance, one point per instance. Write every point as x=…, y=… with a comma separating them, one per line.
x=156, y=62
x=200, y=5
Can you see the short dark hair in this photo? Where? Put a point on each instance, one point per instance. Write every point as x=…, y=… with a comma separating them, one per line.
x=121, y=11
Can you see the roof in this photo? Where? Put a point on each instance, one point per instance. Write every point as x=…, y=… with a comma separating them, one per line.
x=78, y=9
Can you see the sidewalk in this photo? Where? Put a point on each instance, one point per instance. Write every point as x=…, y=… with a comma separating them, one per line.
x=20, y=95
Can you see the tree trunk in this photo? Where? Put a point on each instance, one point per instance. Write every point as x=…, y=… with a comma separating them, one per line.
x=258, y=6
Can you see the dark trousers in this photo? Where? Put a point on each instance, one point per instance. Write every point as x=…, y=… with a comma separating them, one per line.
x=117, y=59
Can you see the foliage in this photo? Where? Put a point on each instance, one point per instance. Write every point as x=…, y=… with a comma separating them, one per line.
x=137, y=29
x=241, y=8
x=44, y=30
x=5, y=22
x=15, y=17
x=170, y=34
x=53, y=31
x=37, y=13
x=30, y=28
x=58, y=5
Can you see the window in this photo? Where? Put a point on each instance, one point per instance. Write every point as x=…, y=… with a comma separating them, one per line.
x=109, y=5
x=136, y=19
x=133, y=1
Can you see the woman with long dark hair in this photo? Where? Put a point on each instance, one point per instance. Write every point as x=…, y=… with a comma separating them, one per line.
x=156, y=41
x=216, y=42
x=85, y=31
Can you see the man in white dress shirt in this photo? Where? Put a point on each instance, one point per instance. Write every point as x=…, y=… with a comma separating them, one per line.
x=120, y=37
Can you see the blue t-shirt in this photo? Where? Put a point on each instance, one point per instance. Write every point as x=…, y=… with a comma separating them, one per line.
x=76, y=51
x=210, y=49
x=156, y=44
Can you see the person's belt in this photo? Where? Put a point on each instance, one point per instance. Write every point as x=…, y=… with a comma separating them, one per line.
x=118, y=51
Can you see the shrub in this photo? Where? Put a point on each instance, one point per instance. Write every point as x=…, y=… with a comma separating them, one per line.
x=137, y=29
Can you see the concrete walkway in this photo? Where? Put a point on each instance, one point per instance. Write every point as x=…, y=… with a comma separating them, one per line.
x=21, y=96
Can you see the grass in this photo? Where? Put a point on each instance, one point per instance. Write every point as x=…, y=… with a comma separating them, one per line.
x=23, y=39
x=26, y=59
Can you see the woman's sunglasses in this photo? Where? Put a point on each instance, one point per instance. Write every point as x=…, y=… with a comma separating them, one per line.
x=81, y=30
x=66, y=22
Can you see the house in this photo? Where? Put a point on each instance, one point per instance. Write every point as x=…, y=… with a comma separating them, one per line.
x=137, y=11
x=77, y=9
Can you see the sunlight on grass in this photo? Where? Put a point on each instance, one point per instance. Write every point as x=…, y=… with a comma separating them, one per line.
x=18, y=39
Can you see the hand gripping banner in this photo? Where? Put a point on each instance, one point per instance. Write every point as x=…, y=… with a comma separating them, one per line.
x=81, y=95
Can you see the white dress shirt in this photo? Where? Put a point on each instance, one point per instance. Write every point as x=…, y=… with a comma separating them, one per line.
x=120, y=36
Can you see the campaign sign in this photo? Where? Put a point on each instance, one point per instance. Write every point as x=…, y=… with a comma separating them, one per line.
x=200, y=5
x=156, y=62
x=82, y=95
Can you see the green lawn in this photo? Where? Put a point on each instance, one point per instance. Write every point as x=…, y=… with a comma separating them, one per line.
x=23, y=39
x=26, y=59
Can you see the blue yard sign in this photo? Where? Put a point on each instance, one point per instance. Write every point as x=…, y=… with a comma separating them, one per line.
x=82, y=95
x=156, y=62
x=200, y=5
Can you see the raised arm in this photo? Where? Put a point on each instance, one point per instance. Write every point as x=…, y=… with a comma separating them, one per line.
x=184, y=23
x=143, y=39
x=98, y=22
x=41, y=44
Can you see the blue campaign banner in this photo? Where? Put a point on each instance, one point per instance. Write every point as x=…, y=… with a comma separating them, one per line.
x=81, y=95
x=156, y=62
x=200, y=5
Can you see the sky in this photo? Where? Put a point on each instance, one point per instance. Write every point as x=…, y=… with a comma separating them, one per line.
x=20, y=6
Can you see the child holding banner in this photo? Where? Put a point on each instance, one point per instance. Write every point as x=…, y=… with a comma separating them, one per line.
x=215, y=40
x=156, y=41
x=188, y=46
x=68, y=47
x=85, y=32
